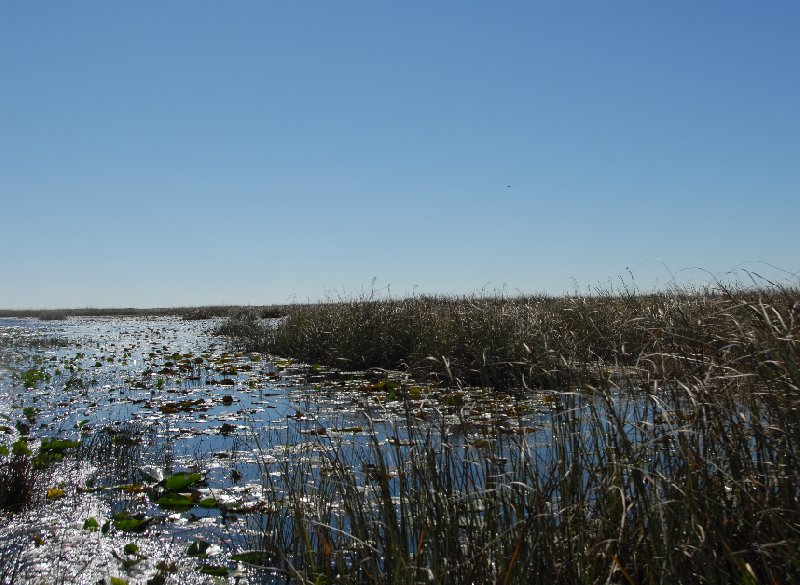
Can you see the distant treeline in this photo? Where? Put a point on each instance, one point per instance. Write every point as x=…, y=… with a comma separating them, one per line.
x=184, y=312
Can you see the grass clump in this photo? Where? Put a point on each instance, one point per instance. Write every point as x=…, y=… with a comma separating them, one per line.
x=18, y=477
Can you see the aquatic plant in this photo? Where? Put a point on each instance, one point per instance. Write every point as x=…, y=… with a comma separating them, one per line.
x=18, y=477
x=667, y=450
x=507, y=342
x=33, y=376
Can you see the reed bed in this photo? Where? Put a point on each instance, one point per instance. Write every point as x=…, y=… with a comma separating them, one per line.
x=526, y=342
x=665, y=450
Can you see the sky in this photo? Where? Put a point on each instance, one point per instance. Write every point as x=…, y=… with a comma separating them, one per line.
x=159, y=153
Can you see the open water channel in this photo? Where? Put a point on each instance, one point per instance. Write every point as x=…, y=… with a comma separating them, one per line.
x=158, y=440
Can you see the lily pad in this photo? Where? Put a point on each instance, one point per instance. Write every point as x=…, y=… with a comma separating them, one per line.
x=227, y=429
x=175, y=502
x=214, y=570
x=131, y=548
x=124, y=522
x=180, y=480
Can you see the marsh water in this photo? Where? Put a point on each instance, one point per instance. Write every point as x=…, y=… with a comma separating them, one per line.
x=125, y=404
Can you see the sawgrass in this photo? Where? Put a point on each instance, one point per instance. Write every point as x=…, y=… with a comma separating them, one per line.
x=667, y=451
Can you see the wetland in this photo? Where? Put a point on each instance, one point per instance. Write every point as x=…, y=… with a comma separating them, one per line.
x=621, y=438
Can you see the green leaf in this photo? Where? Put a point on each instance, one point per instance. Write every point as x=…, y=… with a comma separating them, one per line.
x=30, y=378
x=124, y=441
x=20, y=447
x=174, y=502
x=130, y=525
x=214, y=570
x=91, y=524
x=126, y=523
x=131, y=548
x=180, y=481
x=350, y=430
x=58, y=445
x=55, y=493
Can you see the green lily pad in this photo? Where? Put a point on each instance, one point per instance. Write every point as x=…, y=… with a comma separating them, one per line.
x=131, y=548
x=20, y=448
x=131, y=524
x=175, y=502
x=126, y=523
x=214, y=570
x=180, y=481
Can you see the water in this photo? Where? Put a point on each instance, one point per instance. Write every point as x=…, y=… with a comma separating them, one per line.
x=153, y=393
x=148, y=397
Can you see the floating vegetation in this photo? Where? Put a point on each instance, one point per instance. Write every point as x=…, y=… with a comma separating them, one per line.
x=175, y=502
x=215, y=570
x=33, y=376
x=55, y=493
x=127, y=522
x=180, y=480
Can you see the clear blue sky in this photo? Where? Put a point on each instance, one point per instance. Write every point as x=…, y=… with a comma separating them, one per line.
x=164, y=153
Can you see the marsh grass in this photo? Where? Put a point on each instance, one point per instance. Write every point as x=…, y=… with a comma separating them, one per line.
x=18, y=482
x=600, y=493
x=521, y=342
x=668, y=451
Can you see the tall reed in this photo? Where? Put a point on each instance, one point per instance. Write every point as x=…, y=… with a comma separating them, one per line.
x=665, y=451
